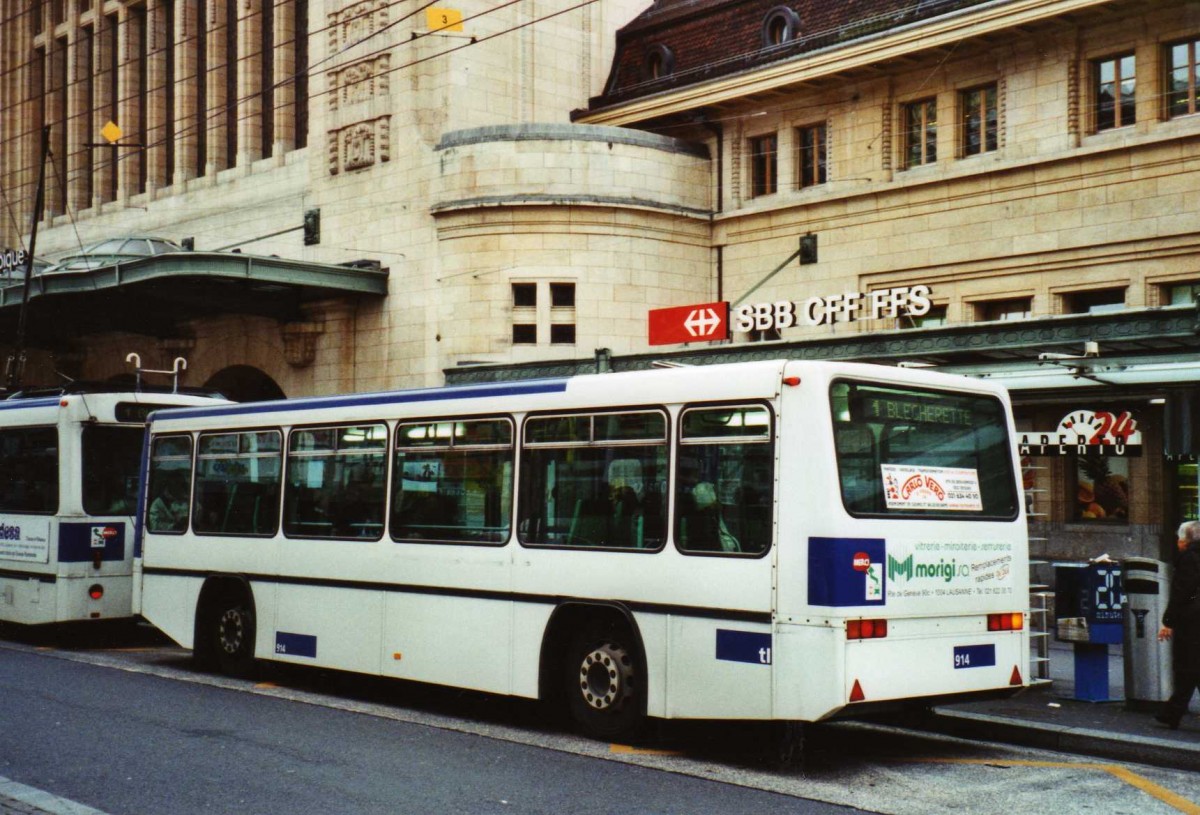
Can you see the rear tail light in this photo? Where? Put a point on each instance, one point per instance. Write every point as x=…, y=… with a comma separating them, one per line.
x=96, y=591
x=1008, y=621
x=866, y=629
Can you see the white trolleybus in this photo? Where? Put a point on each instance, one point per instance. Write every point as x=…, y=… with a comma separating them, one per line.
x=779, y=540
x=69, y=466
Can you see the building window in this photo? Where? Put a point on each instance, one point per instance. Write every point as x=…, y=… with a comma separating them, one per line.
x=524, y=295
x=524, y=334
x=1101, y=489
x=660, y=62
x=1102, y=301
x=1183, y=294
x=763, y=154
x=1113, y=92
x=811, y=147
x=562, y=295
x=781, y=25
x=1183, y=71
x=999, y=310
x=936, y=316
x=979, y=121
x=920, y=133
x=562, y=333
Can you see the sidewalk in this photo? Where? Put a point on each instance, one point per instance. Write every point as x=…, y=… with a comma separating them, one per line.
x=1048, y=716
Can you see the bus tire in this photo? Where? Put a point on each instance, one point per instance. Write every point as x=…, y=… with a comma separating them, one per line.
x=231, y=632
x=605, y=683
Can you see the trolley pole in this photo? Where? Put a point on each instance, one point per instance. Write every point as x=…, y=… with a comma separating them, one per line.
x=16, y=359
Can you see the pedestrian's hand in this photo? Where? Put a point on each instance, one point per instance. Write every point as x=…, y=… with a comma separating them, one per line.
x=1164, y=633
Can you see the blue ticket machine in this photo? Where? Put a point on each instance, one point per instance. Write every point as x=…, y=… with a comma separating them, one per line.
x=1089, y=605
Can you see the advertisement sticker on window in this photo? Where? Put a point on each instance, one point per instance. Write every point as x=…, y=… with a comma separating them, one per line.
x=945, y=488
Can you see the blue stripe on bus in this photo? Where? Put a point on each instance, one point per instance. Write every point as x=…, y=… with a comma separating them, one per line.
x=77, y=542
x=369, y=399
x=847, y=572
x=295, y=645
x=23, y=404
x=744, y=646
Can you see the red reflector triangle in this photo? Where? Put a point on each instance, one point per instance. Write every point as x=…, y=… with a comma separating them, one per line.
x=856, y=693
x=1015, y=679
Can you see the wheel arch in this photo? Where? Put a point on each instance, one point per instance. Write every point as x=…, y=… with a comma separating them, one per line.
x=571, y=616
x=215, y=587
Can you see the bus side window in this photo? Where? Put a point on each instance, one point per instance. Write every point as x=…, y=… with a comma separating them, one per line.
x=725, y=457
x=170, y=477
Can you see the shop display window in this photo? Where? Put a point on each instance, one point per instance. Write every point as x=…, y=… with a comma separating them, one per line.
x=1101, y=489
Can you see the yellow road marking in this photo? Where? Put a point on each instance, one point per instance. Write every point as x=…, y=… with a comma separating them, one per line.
x=1129, y=777
x=627, y=750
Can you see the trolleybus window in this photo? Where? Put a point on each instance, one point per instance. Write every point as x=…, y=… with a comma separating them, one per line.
x=170, y=484
x=595, y=480
x=111, y=458
x=724, y=478
x=237, y=483
x=29, y=469
x=913, y=452
x=453, y=481
x=336, y=482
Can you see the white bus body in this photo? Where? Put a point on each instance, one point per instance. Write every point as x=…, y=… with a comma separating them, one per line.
x=69, y=466
x=805, y=540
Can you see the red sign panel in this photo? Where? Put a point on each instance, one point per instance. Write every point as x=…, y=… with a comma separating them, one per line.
x=699, y=323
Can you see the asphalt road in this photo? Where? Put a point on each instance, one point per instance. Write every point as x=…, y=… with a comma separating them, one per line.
x=137, y=730
x=133, y=743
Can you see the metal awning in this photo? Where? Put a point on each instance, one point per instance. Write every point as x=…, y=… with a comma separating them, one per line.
x=153, y=295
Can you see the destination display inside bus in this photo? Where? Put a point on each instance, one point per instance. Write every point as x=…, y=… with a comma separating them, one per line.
x=880, y=406
x=136, y=411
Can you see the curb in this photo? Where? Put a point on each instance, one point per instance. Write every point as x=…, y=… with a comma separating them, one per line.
x=1168, y=753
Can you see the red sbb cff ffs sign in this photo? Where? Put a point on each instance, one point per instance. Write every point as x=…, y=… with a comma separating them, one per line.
x=698, y=323
x=862, y=562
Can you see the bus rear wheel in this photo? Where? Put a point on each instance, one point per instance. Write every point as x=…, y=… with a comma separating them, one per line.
x=605, y=685
x=231, y=632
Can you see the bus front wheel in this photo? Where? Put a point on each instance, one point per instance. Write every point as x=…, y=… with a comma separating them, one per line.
x=605, y=685
x=231, y=634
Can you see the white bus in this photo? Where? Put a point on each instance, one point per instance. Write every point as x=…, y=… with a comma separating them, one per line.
x=69, y=467
x=780, y=540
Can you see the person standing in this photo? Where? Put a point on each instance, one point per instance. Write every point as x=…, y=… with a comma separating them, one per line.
x=1181, y=621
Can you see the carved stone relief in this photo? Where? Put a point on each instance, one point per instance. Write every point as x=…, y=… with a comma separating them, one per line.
x=360, y=82
x=356, y=22
x=360, y=145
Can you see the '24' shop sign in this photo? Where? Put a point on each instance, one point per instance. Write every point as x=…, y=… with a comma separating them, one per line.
x=1086, y=432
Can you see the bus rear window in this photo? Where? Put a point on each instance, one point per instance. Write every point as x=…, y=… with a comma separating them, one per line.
x=922, y=453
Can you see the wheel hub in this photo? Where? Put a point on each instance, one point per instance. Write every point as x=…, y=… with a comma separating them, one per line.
x=231, y=631
x=606, y=677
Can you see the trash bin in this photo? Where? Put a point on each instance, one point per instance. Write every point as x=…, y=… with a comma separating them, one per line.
x=1147, y=661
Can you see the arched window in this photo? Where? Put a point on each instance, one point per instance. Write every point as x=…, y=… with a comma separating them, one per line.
x=781, y=25
x=660, y=62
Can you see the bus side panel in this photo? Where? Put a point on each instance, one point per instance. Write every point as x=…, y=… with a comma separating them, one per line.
x=27, y=600
x=169, y=603
x=321, y=625
x=719, y=669
x=528, y=633
x=457, y=641
x=808, y=671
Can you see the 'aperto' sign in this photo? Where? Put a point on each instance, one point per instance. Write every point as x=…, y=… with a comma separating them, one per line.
x=1086, y=432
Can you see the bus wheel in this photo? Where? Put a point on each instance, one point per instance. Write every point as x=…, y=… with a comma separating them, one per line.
x=604, y=685
x=232, y=632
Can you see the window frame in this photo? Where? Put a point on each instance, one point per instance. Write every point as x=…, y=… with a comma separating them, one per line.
x=396, y=448
x=926, y=144
x=770, y=439
x=524, y=512
x=153, y=476
x=196, y=480
x=988, y=133
x=290, y=455
x=52, y=485
x=812, y=160
x=1118, y=100
x=1190, y=95
x=763, y=151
